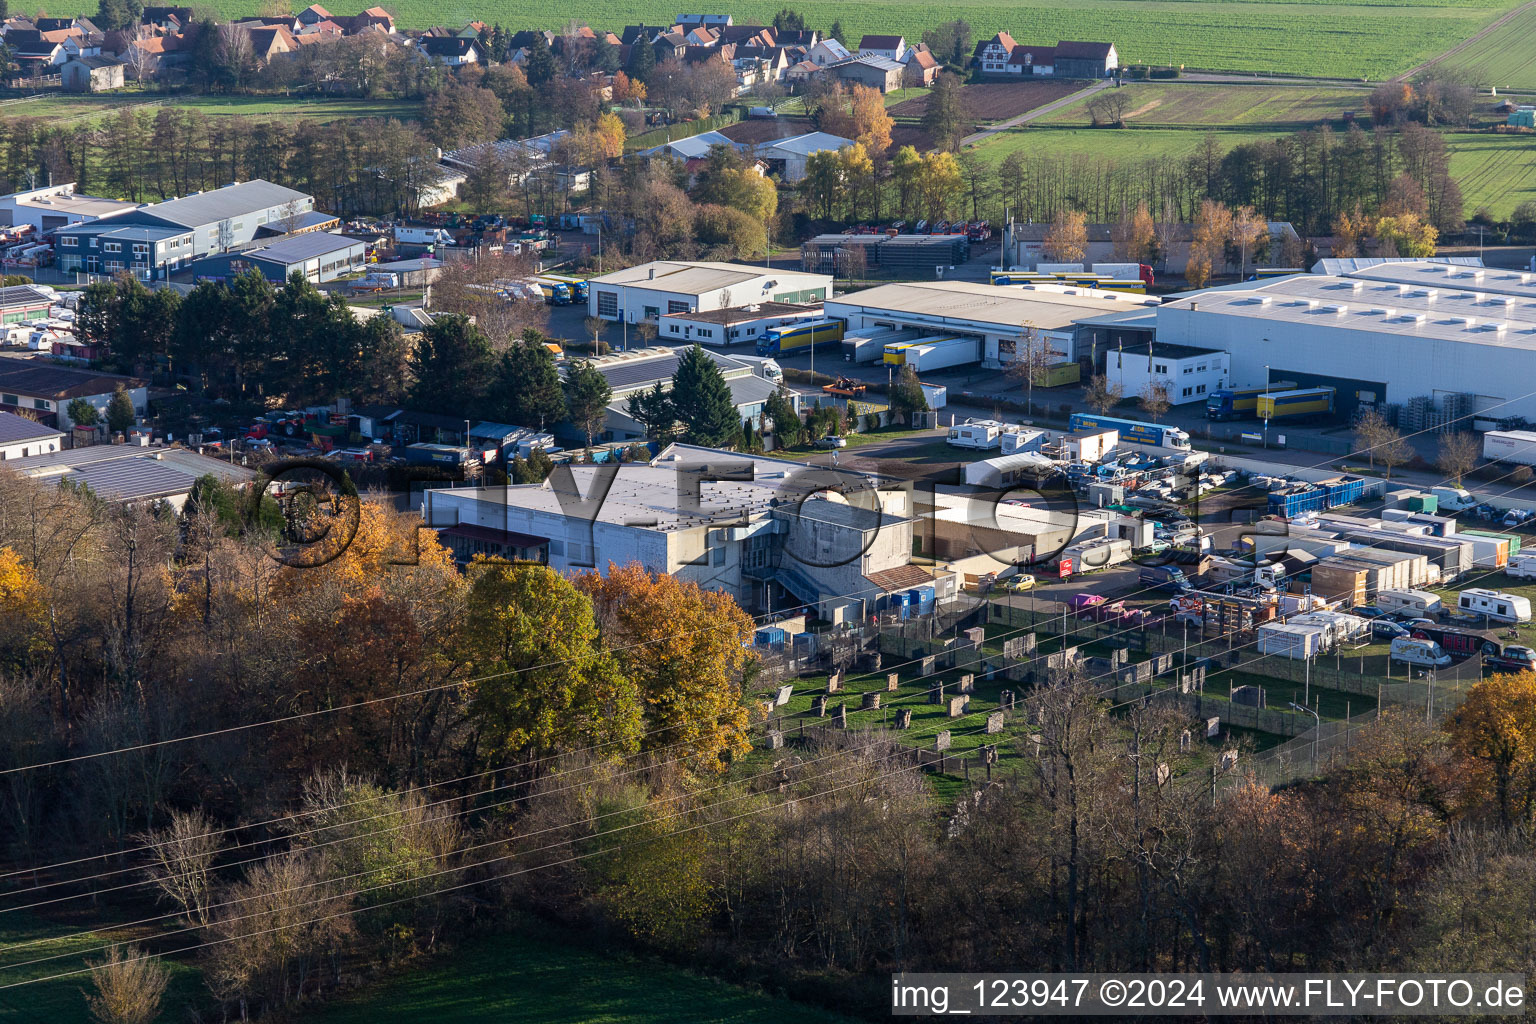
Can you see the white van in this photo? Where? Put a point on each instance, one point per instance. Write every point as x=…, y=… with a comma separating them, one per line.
x=1496, y=605
x=1417, y=604
x=1453, y=499
x=1522, y=567
x=1419, y=652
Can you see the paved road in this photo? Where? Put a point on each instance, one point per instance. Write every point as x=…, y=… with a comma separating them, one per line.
x=1030, y=115
x=1500, y=23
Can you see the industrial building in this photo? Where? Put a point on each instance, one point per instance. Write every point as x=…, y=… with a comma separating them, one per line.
x=22, y=302
x=155, y=241
x=130, y=474
x=650, y=290
x=21, y=437
x=996, y=314
x=318, y=257
x=734, y=326
x=638, y=370
x=1462, y=339
x=1189, y=374
x=57, y=206
x=44, y=389
x=735, y=523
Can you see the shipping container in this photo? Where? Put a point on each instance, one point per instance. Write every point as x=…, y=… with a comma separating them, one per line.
x=1424, y=503
x=1291, y=641
x=1059, y=374
x=1513, y=540
x=1334, y=579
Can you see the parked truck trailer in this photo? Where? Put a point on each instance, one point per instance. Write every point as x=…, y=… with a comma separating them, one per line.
x=1517, y=446
x=943, y=354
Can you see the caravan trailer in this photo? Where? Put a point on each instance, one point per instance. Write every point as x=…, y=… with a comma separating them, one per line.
x=1497, y=606
x=983, y=434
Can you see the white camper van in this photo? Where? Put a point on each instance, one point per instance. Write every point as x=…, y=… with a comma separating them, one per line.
x=1419, y=652
x=1496, y=605
x=984, y=434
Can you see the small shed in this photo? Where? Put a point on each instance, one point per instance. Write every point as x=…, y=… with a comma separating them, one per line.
x=91, y=74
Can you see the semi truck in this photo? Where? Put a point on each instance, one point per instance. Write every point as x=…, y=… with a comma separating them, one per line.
x=1153, y=435
x=1295, y=405
x=943, y=354
x=1517, y=446
x=1238, y=403
x=577, y=286
x=801, y=337
x=1125, y=272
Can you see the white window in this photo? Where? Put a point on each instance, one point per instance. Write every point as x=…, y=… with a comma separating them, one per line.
x=69, y=242
x=112, y=247
x=1160, y=368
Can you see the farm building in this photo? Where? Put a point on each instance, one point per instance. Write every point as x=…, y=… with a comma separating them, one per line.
x=1002, y=55
x=652, y=289
x=881, y=73
x=993, y=314
x=317, y=257
x=1461, y=338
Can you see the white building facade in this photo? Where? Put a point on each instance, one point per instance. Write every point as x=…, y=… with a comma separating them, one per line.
x=652, y=290
x=1189, y=374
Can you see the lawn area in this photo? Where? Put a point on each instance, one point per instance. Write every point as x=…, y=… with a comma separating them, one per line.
x=1374, y=39
x=1495, y=171
x=63, y=1001
x=1278, y=107
x=1114, y=144
x=311, y=108
x=1503, y=59
x=540, y=976
x=882, y=436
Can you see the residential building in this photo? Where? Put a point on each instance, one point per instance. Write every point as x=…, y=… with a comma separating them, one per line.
x=922, y=68
x=749, y=526
x=1188, y=374
x=735, y=326
x=132, y=474
x=318, y=257
x=92, y=74
x=454, y=51
x=890, y=47
x=45, y=389
x=827, y=52
x=1003, y=55
x=991, y=55
x=21, y=437
x=156, y=240
x=648, y=291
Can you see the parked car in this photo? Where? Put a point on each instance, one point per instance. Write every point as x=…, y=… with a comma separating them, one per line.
x=1512, y=659
x=1369, y=611
x=832, y=441
x=1386, y=629
x=1018, y=583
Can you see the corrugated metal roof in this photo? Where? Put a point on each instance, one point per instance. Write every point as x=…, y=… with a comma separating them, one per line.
x=218, y=204
x=298, y=248
x=14, y=429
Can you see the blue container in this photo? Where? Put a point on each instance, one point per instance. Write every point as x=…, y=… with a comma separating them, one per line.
x=1298, y=502
x=1346, y=493
x=925, y=598
x=772, y=636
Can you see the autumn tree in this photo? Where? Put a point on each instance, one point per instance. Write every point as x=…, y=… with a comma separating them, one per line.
x=684, y=647
x=1247, y=228
x=1067, y=239
x=1494, y=734
x=1213, y=228
x=129, y=984
x=1459, y=453
x=1348, y=229
x=944, y=115
x=1406, y=235
x=1134, y=236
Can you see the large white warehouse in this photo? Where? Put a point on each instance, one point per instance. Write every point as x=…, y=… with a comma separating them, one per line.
x=1388, y=333
x=1000, y=315
x=652, y=290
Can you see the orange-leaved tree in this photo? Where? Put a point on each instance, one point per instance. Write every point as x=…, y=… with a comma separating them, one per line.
x=542, y=679
x=21, y=609
x=1494, y=732
x=684, y=648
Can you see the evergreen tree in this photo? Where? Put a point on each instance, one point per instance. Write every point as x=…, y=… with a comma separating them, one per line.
x=907, y=396
x=605, y=56
x=642, y=59
x=702, y=401
x=788, y=21
x=451, y=367
x=787, y=428
x=541, y=63
x=587, y=395
x=385, y=362
x=82, y=413
x=837, y=32
x=527, y=388
x=120, y=412
x=653, y=410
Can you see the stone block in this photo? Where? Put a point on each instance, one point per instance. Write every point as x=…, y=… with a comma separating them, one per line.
x=1005, y=700
x=1185, y=741
x=904, y=718
x=1163, y=774
x=1213, y=727
x=967, y=684
x=869, y=702
x=834, y=682
x=957, y=705
x=841, y=718
x=941, y=741
x=775, y=739
x=995, y=722
x=785, y=692
x=892, y=681
x=819, y=705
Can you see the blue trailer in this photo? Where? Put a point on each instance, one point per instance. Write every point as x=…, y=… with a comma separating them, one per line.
x=1154, y=435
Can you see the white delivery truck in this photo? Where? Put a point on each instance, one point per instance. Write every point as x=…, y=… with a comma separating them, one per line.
x=1497, y=606
x=1517, y=446
x=1418, y=604
x=1419, y=652
x=944, y=354
x=1453, y=499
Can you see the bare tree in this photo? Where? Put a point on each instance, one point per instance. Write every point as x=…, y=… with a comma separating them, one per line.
x=1370, y=430
x=1247, y=228
x=1459, y=453
x=594, y=326
x=851, y=262
x=291, y=216
x=1393, y=450
x=129, y=985
x=1031, y=357
x=1101, y=395
x=1154, y=399
x=183, y=855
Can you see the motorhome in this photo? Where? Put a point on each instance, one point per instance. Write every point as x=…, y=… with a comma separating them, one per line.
x=1420, y=652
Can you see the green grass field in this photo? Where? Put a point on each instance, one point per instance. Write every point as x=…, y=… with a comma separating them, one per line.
x=63, y=1001
x=1504, y=59
x=1280, y=107
x=1113, y=143
x=1496, y=172
x=541, y=977
x=82, y=107
x=1375, y=39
